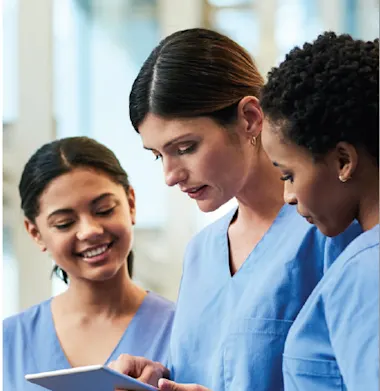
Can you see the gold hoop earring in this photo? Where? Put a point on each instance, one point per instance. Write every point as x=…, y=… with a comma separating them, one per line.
x=253, y=141
x=343, y=179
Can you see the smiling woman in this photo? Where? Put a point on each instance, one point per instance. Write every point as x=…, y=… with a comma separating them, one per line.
x=79, y=206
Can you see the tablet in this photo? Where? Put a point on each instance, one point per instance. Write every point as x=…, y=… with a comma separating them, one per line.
x=94, y=378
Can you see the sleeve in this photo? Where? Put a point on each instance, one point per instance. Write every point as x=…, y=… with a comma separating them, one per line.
x=352, y=315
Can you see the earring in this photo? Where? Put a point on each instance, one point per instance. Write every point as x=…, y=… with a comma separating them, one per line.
x=253, y=140
x=343, y=179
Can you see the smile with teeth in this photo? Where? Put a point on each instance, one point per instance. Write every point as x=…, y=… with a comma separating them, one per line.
x=96, y=251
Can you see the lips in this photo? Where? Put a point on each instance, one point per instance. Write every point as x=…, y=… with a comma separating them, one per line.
x=198, y=193
x=192, y=190
x=95, y=251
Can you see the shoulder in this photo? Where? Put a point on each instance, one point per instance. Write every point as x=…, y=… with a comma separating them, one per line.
x=161, y=302
x=156, y=315
x=361, y=252
x=160, y=306
x=350, y=294
x=21, y=324
x=355, y=273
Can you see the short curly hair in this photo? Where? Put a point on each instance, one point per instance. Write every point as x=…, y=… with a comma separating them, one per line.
x=327, y=92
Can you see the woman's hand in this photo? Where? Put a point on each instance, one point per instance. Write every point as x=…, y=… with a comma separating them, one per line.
x=140, y=368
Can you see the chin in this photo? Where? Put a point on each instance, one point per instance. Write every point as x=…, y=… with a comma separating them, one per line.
x=207, y=206
x=101, y=276
x=332, y=230
x=106, y=272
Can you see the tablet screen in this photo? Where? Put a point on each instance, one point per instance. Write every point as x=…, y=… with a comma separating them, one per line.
x=94, y=378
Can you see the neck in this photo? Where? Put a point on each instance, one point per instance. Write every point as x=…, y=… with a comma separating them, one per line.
x=113, y=297
x=262, y=196
x=368, y=215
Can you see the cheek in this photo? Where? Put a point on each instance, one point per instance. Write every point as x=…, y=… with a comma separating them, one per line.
x=309, y=193
x=121, y=226
x=222, y=164
x=319, y=194
x=201, y=166
x=123, y=230
x=60, y=247
x=58, y=243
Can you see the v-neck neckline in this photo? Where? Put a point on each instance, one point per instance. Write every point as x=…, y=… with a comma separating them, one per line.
x=258, y=249
x=57, y=347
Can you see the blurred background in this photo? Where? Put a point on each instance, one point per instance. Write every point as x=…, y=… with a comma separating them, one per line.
x=68, y=66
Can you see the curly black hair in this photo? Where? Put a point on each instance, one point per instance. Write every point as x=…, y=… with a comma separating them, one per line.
x=326, y=92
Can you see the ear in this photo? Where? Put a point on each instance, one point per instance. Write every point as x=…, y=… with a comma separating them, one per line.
x=250, y=116
x=347, y=160
x=35, y=234
x=132, y=204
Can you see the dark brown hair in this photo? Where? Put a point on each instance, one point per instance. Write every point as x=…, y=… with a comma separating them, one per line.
x=60, y=157
x=194, y=72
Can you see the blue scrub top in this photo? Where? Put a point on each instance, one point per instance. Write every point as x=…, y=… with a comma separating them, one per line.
x=31, y=344
x=229, y=332
x=334, y=342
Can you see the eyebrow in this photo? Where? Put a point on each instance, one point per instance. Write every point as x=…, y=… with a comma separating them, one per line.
x=70, y=210
x=277, y=164
x=171, y=142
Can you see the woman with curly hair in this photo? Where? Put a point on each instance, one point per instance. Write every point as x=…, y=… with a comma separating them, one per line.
x=321, y=130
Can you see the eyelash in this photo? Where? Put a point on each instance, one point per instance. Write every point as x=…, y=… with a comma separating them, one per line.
x=189, y=149
x=106, y=212
x=287, y=178
x=102, y=213
x=181, y=152
x=62, y=227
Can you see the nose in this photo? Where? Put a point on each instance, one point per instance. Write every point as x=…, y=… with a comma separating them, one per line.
x=174, y=173
x=289, y=195
x=89, y=229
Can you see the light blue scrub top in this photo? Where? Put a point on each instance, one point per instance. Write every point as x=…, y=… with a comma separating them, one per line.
x=31, y=344
x=229, y=332
x=334, y=342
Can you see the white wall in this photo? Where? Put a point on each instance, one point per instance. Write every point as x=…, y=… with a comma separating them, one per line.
x=33, y=127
